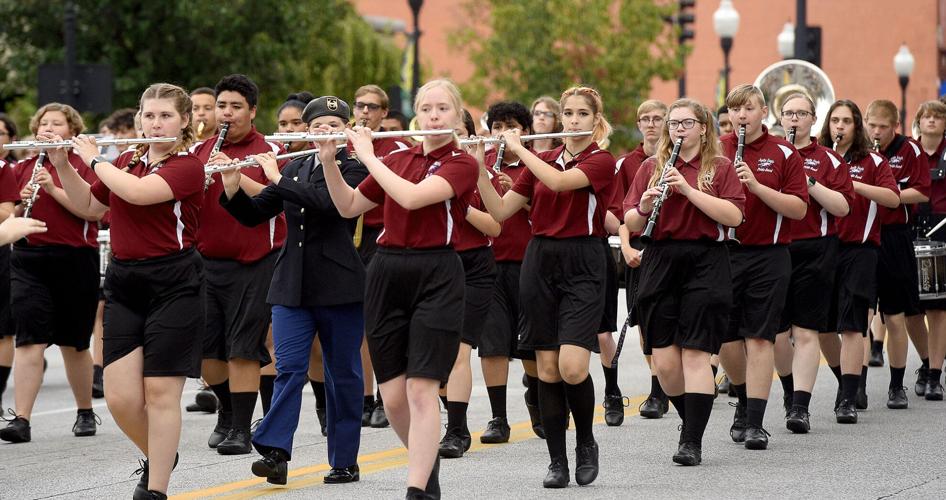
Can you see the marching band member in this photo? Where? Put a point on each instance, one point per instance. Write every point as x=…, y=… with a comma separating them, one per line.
x=723, y=121
x=317, y=289
x=546, y=119
x=205, y=118
x=154, y=315
x=8, y=197
x=855, y=286
x=773, y=178
x=682, y=309
x=562, y=277
x=54, y=279
x=239, y=263
x=394, y=120
x=897, y=285
x=414, y=291
x=814, y=257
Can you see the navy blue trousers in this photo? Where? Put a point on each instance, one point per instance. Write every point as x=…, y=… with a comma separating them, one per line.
x=340, y=330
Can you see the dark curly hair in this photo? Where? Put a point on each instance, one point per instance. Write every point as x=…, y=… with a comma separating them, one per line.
x=297, y=100
x=509, y=110
x=240, y=84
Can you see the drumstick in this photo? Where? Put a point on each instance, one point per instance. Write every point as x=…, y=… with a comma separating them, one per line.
x=936, y=228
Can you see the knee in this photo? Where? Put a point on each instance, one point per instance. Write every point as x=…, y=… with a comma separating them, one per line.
x=422, y=396
x=123, y=401
x=292, y=363
x=573, y=373
x=694, y=360
x=759, y=346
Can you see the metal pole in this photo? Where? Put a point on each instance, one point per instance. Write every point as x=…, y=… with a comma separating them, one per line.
x=904, y=81
x=726, y=42
x=415, y=83
x=801, y=30
x=69, y=29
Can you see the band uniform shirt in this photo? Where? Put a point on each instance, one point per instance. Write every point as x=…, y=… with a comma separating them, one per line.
x=64, y=228
x=8, y=184
x=383, y=146
x=510, y=245
x=862, y=224
x=903, y=156
x=829, y=170
x=936, y=162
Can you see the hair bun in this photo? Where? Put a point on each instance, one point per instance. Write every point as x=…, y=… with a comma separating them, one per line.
x=303, y=97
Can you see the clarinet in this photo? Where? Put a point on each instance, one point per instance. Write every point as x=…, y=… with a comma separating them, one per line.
x=877, y=145
x=500, y=151
x=216, y=149
x=791, y=135
x=37, y=168
x=837, y=140
x=664, y=191
x=740, y=147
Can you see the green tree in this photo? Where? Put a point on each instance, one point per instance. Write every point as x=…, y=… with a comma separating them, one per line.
x=522, y=49
x=318, y=45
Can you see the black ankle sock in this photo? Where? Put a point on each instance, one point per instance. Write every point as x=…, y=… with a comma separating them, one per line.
x=715, y=370
x=849, y=383
x=610, y=381
x=456, y=416
x=4, y=376
x=801, y=398
x=415, y=491
x=369, y=401
x=655, y=389
x=497, y=400
x=836, y=370
x=788, y=383
x=552, y=405
x=698, y=409
x=222, y=391
x=925, y=363
x=934, y=375
x=532, y=389
x=877, y=346
x=680, y=405
x=755, y=412
x=896, y=377
x=97, y=371
x=741, y=393
x=581, y=401
x=266, y=391
x=80, y=411
x=243, y=405
x=863, y=381
x=377, y=397
x=318, y=388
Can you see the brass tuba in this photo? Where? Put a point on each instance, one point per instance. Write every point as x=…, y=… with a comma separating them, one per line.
x=784, y=78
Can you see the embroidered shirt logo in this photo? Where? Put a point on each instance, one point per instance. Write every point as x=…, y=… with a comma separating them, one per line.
x=896, y=162
x=765, y=165
x=857, y=172
x=812, y=164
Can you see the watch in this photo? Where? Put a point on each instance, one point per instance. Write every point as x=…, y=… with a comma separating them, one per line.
x=97, y=159
x=811, y=181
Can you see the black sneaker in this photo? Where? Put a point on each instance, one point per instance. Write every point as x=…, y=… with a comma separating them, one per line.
x=876, y=357
x=497, y=431
x=797, y=420
x=224, y=423
x=236, y=443
x=433, y=481
x=148, y=495
x=837, y=398
x=688, y=454
x=98, y=387
x=846, y=413
x=586, y=456
x=860, y=400
x=85, y=425
x=16, y=431
x=339, y=475
x=366, y=411
x=787, y=403
x=934, y=390
x=273, y=466
x=320, y=413
x=451, y=446
x=920, y=386
x=204, y=401
x=558, y=475
x=897, y=398
x=738, y=429
x=724, y=385
x=379, y=419
x=654, y=407
x=536, y=418
x=757, y=438
x=614, y=410
x=142, y=487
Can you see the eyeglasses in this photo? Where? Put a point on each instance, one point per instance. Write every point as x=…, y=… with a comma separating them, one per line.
x=540, y=114
x=687, y=124
x=648, y=120
x=370, y=105
x=800, y=114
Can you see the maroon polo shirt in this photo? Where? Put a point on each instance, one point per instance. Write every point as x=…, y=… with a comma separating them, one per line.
x=829, y=169
x=148, y=231
x=678, y=218
x=937, y=187
x=862, y=225
x=221, y=236
x=510, y=245
x=776, y=165
x=570, y=214
x=383, y=146
x=625, y=168
x=63, y=228
x=8, y=190
x=432, y=226
x=910, y=172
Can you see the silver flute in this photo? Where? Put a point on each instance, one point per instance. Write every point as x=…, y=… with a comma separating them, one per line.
x=524, y=138
x=68, y=144
x=37, y=168
x=250, y=162
x=340, y=136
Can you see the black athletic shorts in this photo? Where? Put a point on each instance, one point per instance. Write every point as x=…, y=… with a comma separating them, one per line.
x=897, y=285
x=6, y=318
x=760, y=277
x=562, y=293
x=479, y=269
x=414, y=312
x=54, y=293
x=814, y=264
x=156, y=304
x=855, y=288
x=369, y=243
x=500, y=335
x=238, y=316
x=609, y=320
x=684, y=295
x=632, y=276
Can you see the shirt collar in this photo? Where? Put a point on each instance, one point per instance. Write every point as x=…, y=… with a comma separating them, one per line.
x=436, y=154
x=560, y=157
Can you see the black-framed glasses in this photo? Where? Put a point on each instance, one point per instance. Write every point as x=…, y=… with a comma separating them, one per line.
x=540, y=114
x=802, y=114
x=651, y=120
x=370, y=105
x=686, y=124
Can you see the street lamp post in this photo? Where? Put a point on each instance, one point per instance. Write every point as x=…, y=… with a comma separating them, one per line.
x=726, y=24
x=786, y=41
x=415, y=82
x=903, y=64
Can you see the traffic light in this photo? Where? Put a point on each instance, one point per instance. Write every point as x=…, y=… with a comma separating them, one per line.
x=808, y=44
x=685, y=19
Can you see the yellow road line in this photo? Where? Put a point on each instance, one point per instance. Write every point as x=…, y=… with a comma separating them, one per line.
x=311, y=476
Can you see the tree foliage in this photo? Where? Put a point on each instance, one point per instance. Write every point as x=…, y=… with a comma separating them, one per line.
x=522, y=49
x=318, y=45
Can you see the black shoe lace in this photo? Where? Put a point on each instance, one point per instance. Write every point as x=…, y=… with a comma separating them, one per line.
x=11, y=412
x=142, y=467
x=764, y=431
x=255, y=425
x=609, y=400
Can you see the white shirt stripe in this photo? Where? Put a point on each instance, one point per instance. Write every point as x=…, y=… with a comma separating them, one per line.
x=180, y=225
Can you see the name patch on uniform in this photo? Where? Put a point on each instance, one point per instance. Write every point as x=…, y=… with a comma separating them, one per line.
x=857, y=171
x=896, y=162
x=812, y=164
x=765, y=165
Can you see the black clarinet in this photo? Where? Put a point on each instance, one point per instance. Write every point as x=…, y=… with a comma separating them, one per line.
x=222, y=136
x=791, y=135
x=740, y=148
x=500, y=151
x=877, y=145
x=664, y=191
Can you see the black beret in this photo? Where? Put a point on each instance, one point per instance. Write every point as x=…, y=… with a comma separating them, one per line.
x=326, y=106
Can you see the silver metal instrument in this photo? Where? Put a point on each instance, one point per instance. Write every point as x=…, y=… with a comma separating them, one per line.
x=68, y=144
x=791, y=135
x=250, y=162
x=340, y=136
x=37, y=168
x=740, y=149
x=524, y=138
x=500, y=151
x=877, y=145
x=664, y=191
x=221, y=137
x=787, y=77
x=837, y=140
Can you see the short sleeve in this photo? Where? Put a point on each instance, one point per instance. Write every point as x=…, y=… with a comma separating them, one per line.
x=883, y=175
x=184, y=174
x=920, y=174
x=100, y=191
x=794, y=181
x=8, y=187
x=727, y=186
x=525, y=184
x=461, y=172
x=638, y=185
x=839, y=177
x=370, y=189
x=599, y=168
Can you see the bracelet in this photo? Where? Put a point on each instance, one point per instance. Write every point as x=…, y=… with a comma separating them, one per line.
x=96, y=160
x=642, y=214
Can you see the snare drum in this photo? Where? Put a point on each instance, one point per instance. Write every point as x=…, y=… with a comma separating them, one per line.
x=620, y=265
x=105, y=253
x=931, y=268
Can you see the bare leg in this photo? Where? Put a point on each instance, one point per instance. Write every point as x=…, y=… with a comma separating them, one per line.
x=760, y=354
x=316, y=372
x=495, y=370
x=807, y=357
x=79, y=372
x=97, y=331
x=784, y=353
x=897, y=341
x=460, y=384
x=424, y=434
x=125, y=395
x=732, y=356
x=937, y=336
x=163, y=404
x=244, y=375
x=369, y=373
x=669, y=367
x=831, y=348
x=919, y=336
x=28, y=377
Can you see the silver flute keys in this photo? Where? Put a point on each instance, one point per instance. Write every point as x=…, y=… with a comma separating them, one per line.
x=37, y=168
x=524, y=138
x=68, y=144
x=340, y=136
x=250, y=162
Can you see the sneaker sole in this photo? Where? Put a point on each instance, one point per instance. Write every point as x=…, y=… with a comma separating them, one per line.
x=14, y=439
x=588, y=481
x=797, y=427
x=263, y=472
x=225, y=450
x=499, y=440
x=756, y=445
x=847, y=420
x=897, y=406
x=938, y=397
x=651, y=414
x=686, y=461
x=450, y=454
x=616, y=421
x=84, y=433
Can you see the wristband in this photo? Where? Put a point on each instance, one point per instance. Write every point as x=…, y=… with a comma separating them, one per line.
x=811, y=181
x=96, y=160
x=643, y=214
